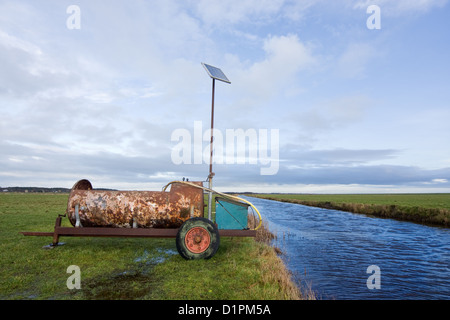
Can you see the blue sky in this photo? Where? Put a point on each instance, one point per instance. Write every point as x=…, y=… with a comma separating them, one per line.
x=357, y=110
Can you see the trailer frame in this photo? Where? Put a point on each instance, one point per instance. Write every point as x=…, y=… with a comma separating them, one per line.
x=60, y=231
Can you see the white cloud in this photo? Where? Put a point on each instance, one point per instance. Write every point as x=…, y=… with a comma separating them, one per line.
x=440, y=180
x=10, y=41
x=100, y=97
x=285, y=57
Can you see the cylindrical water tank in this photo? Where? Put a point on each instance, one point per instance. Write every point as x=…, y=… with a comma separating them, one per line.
x=87, y=207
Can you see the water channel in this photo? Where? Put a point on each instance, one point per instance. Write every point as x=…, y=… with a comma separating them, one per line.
x=345, y=256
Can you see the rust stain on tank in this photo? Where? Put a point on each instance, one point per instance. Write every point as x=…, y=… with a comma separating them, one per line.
x=143, y=209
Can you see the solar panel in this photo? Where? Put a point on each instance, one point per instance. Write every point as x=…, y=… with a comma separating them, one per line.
x=215, y=73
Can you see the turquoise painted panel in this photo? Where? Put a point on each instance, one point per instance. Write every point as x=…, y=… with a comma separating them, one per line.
x=231, y=214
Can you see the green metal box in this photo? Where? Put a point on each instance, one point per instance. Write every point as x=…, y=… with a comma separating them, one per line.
x=231, y=214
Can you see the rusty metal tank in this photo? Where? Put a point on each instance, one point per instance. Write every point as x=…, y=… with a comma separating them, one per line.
x=87, y=207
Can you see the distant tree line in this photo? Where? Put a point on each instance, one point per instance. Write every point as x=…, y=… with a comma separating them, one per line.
x=43, y=190
x=34, y=189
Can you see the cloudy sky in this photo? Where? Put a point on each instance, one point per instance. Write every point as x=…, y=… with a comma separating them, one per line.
x=100, y=93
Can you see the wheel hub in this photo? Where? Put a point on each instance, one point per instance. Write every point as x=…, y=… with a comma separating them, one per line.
x=197, y=240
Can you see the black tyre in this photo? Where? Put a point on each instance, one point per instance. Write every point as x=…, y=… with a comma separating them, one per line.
x=197, y=238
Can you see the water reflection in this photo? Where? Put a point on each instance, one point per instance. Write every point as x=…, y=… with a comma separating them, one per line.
x=331, y=250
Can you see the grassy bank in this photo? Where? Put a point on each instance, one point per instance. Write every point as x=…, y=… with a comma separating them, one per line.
x=126, y=268
x=420, y=208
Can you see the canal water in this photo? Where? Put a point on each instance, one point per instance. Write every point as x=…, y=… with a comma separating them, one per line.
x=346, y=256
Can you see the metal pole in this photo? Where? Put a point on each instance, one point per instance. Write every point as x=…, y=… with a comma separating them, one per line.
x=211, y=174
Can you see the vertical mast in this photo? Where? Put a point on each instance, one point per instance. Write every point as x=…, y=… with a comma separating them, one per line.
x=214, y=73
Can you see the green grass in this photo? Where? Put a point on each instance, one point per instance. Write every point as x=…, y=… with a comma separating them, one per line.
x=422, y=208
x=436, y=200
x=125, y=268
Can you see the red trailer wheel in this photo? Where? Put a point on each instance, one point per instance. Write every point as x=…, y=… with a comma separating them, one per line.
x=197, y=238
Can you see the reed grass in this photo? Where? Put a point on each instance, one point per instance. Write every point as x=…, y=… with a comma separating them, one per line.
x=283, y=276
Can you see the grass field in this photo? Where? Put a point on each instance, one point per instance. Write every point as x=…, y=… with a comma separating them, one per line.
x=421, y=208
x=126, y=268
